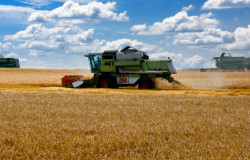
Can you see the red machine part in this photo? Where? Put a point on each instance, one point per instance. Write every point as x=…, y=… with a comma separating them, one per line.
x=68, y=79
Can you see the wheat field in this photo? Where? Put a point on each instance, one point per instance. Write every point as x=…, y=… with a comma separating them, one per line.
x=209, y=119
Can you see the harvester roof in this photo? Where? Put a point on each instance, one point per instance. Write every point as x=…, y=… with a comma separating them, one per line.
x=229, y=56
x=126, y=50
x=129, y=49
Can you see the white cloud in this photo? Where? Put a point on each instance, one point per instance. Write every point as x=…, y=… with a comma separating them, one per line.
x=209, y=36
x=38, y=37
x=10, y=8
x=160, y=49
x=242, y=40
x=216, y=39
x=6, y=47
x=31, y=63
x=14, y=55
x=42, y=52
x=139, y=27
x=121, y=43
x=194, y=61
x=40, y=40
x=39, y=17
x=16, y=14
x=41, y=62
x=23, y=59
x=43, y=46
x=188, y=8
x=168, y=37
x=101, y=45
x=78, y=1
x=91, y=12
x=181, y=22
x=179, y=60
x=100, y=33
x=40, y=3
x=209, y=65
x=223, y=4
x=11, y=55
x=164, y=55
x=31, y=31
x=33, y=53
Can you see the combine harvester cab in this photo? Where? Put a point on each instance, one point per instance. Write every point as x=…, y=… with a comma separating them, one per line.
x=129, y=67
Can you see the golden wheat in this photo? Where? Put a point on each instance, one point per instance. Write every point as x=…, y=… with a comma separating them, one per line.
x=40, y=122
x=42, y=77
x=196, y=80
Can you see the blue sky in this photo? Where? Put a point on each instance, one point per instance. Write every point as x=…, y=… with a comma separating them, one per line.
x=56, y=33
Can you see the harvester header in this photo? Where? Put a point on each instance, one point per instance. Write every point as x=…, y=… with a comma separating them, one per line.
x=128, y=67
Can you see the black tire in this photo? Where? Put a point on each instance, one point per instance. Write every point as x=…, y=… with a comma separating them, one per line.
x=106, y=81
x=116, y=85
x=145, y=84
x=152, y=84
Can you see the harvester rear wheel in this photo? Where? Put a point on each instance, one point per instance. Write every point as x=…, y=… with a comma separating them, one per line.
x=106, y=81
x=145, y=84
x=152, y=84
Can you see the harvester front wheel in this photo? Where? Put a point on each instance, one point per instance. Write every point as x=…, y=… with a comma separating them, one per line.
x=145, y=84
x=106, y=81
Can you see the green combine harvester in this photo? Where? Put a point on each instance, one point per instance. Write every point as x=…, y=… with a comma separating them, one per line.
x=9, y=62
x=128, y=67
x=229, y=63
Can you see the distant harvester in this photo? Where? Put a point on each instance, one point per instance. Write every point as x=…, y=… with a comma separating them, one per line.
x=229, y=63
x=9, y=62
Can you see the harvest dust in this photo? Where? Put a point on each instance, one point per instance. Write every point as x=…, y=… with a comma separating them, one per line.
x=175, y=84
x=214, y=80
x=180, y=84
